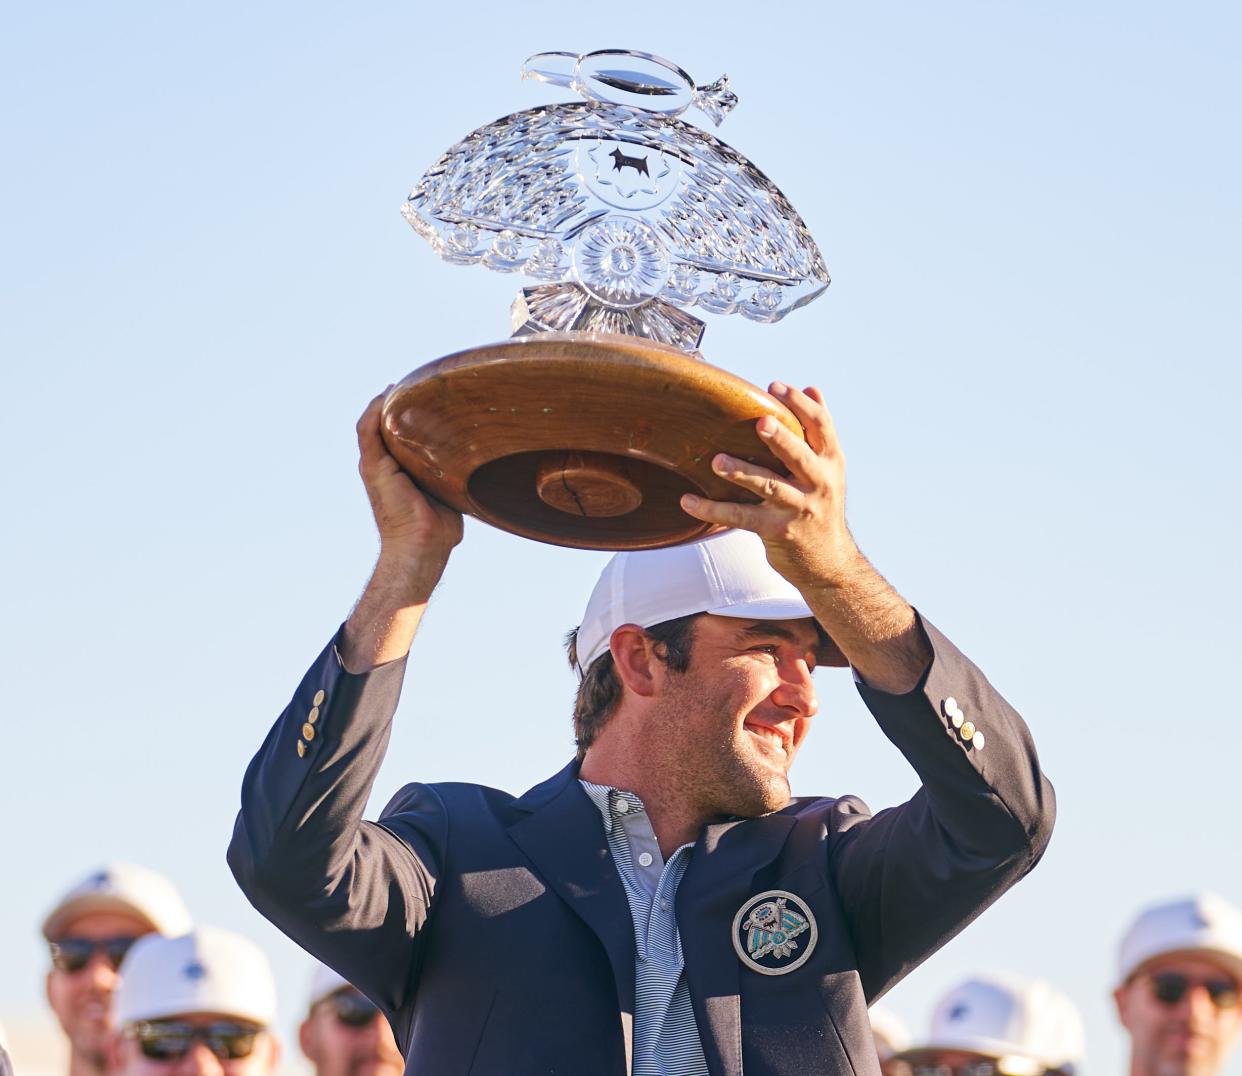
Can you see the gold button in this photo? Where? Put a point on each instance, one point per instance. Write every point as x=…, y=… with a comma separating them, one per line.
x=319, y=697
x=968, y=730
x=301, y=749
x=313, y=716
x=957, y=719
x=308, y=731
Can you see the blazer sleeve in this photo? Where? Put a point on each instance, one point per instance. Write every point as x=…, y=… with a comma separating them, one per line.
x=349, y=891
x=911, y=877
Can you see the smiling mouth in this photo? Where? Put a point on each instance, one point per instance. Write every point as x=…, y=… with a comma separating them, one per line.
x=770, y=738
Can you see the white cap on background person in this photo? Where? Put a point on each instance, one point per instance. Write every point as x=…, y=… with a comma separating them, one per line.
x=324, y=983
x=726, y=574
x=121, y=887
x=1027, y=1025
x=890, y=1033
x=207, y=971
x=1203, y=925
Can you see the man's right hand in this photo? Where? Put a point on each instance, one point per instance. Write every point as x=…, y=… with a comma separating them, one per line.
x=417, y=534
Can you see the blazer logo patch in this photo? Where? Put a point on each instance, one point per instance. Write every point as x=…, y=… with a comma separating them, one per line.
x=774, y=932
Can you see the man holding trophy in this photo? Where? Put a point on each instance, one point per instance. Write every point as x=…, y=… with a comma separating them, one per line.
x=661, y=905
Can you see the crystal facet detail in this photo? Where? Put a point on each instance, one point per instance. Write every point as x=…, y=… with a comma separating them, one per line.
x=621, y=262
x=715, y=100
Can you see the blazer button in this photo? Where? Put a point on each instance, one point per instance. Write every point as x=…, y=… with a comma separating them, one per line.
x=978, y=741
x=968, y=730
x=301, y=749
x=319, y=697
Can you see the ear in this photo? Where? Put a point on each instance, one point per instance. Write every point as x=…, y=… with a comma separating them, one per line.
x=274, y=1054
x=634, y=658
x=1120, y=997
x=307, y=1040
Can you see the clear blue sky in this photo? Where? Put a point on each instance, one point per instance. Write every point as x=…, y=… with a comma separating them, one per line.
x=1031, y=345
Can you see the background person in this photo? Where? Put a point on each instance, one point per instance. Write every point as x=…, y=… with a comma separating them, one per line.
x=89, y=930
x=1179, y=971
x=891, y=1036
x=999, y=1024
x=199, y=1005
x=344, y=1033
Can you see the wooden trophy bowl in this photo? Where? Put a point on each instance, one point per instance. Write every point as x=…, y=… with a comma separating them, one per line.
x=578, y=439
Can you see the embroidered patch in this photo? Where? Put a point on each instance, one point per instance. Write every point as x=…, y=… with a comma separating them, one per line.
x=774, y=932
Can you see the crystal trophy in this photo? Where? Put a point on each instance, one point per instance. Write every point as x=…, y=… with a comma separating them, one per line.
x=587, y=425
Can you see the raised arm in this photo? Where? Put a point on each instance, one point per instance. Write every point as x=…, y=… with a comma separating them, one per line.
x=910, y=877
x=350, y=891
x=801, y=519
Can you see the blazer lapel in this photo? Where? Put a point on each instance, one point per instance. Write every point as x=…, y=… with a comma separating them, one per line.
x=563, y=836
x=718, y=881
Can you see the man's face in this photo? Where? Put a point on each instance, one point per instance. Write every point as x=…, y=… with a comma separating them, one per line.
x=179, y=1051
x=345, y=1035
x=731, y=724
x=1187, y=1033
x=82, y=998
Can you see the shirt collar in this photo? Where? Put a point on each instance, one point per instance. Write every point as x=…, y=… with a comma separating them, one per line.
x=608, y=801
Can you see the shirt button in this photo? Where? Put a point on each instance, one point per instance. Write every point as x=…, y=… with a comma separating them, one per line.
x=664, y=906
x=622, y=806
x=644, y=860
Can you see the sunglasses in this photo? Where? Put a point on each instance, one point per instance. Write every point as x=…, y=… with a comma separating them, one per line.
x=73, y=954
x=352, y=1009
x=171, y=1040
x=976, y=1067
x=1169, y=987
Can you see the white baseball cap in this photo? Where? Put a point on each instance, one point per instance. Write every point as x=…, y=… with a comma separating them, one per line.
x=1027, y=1025
x=890, y=1034
x=1204, y=924
x=726, y=574
x=324, y=983
x=122, y=887
x=208, y=971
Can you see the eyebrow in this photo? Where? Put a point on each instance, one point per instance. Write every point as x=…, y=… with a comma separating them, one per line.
x=768, y=629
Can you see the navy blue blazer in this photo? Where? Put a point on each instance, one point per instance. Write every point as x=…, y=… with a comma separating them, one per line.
x=494, y=931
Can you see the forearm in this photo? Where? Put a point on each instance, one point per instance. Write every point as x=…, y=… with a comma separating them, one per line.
x=873, y=626
x=384, y=622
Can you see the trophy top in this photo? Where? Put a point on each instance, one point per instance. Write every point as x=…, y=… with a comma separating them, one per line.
x=636, y=79
x=632, y=215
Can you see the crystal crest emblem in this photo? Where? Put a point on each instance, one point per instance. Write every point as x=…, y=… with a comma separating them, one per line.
x=629, y=216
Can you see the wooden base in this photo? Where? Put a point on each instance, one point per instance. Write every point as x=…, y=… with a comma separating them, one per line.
x=577, y=439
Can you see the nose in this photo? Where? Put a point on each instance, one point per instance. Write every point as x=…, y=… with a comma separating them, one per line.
x=797, y=688
x=200, y=1060
x=1200, y=1006
x=100, y=973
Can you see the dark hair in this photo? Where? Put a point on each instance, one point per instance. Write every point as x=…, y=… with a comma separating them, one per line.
x=600, y=689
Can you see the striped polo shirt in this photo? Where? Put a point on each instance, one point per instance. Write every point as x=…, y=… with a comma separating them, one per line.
x=666, y=1037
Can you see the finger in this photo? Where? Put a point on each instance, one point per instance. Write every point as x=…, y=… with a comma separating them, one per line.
x=748, y=517
x=796, y=454
x=372, y=452
x=772, y=487
x=808, y=408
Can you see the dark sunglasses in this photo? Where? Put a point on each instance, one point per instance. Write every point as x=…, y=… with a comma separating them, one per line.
x=73, y=954
x=352, y=1008
x=171, y=1040
x=1169, y=987
x=976, y=1067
